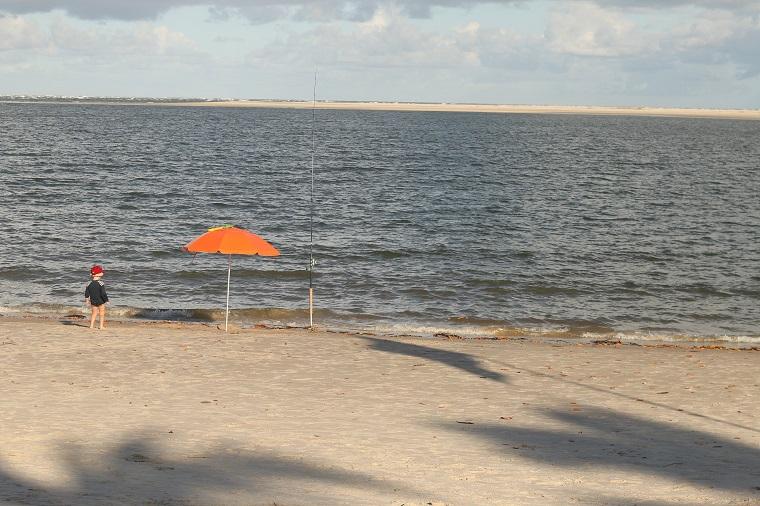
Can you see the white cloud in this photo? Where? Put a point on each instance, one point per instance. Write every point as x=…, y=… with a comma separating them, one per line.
x=255, y=14
x=160, y=40
x=259, y=11
x=585, y=29
x=709, y=28
x=718, y=38
x=385, y=40
x=18, y=33
x=142, y=40
x=63, y=45
x=66, y=36
x=501, y=48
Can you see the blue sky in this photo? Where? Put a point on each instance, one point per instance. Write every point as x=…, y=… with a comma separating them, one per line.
x=701, y=53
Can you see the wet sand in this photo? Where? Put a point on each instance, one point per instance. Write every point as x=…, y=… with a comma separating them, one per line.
x=165, y=413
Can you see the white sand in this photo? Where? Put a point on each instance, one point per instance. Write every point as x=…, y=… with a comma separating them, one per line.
x=184, y=414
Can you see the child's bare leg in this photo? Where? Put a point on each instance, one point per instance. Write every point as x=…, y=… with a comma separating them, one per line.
x=92, y=318
x=102, y=309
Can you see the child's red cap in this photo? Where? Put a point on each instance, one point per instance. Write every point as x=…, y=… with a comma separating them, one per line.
x=96, y=269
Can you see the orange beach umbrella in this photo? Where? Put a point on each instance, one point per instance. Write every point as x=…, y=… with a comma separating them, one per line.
x=230, y=240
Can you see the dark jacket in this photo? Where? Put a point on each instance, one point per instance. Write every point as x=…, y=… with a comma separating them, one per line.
x=96, y=292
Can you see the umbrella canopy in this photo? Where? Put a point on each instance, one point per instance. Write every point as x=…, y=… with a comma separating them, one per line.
x=230, y=240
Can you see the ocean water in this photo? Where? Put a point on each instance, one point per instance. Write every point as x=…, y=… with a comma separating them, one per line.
x=425, y=223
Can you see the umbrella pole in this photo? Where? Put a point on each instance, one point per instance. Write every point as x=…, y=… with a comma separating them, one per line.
x=227, y=312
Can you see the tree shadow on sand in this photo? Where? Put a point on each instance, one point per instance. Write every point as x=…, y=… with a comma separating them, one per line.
x=614, y=440
x=456, y=359
x=135, y=472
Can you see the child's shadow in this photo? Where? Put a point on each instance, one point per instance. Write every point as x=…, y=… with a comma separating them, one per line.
x=75, y=323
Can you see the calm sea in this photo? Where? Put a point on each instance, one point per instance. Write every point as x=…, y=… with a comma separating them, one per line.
x=471, y=224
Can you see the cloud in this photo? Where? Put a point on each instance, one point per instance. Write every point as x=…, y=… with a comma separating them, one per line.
x=256, y=10
x=97, y=9
x=580, y=36
x=388, y=40
x=19, y=33
x=390, y=57
x=150, y=9
x=255, y=14
x=323, y=11
x=707, y=29
x=670, y=4
x=24, y=44
x=718, y=38
x=259, y=11
x=706, y=56
x=585, y=29
x=142, y=40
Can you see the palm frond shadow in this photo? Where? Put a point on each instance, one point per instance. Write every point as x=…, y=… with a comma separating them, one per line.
x=137, y=472
x=609, y=440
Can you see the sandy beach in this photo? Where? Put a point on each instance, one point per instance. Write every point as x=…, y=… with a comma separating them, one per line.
x=169, y=413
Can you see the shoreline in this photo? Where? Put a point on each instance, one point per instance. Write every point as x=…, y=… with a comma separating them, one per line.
x=668, y=112
x=555, y=339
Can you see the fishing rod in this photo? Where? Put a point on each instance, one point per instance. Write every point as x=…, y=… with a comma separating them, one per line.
x=311, y=210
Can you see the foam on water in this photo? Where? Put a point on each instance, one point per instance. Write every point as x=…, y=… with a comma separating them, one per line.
x=432, y=330
x=680, y=338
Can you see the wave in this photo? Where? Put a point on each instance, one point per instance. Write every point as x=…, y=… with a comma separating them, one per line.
x=746, y=292
x=390, y=254
x=475, y=320
x=448, y=331
x=552, y=334
x=497, y=283
x=702, y=289
x=18, y=273
x=546, y=290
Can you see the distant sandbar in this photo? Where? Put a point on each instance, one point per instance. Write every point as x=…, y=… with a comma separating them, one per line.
x=749, y=114
x=744, y=114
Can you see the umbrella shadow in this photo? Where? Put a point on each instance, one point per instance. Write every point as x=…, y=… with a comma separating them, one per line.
x=614, y=440
x=135, y=472
x=455, y=359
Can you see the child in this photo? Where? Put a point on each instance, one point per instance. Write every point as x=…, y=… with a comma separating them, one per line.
x=95, y=295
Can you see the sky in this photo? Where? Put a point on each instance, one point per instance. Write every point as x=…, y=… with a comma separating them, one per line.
x=663, y=53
